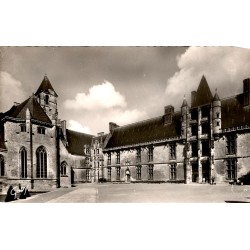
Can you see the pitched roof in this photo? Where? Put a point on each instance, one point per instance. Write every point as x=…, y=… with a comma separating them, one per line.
x=36, y=111
x=233, y=113
x=45, y=86
x=145, y=131
x=76, y=141
x=203, y=94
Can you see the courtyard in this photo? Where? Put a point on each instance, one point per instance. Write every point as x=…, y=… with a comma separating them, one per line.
x=144, y=193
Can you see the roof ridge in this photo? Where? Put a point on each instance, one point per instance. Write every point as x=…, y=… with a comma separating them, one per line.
x=127, y=125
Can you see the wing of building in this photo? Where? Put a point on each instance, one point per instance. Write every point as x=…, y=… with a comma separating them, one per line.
x=36, y=148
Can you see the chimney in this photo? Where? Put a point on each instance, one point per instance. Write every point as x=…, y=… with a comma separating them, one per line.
x=246, y=92
x=169, y=111
x=112, y=126
x=193, y=98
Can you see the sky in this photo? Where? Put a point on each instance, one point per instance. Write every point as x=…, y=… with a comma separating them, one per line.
x=98, y=85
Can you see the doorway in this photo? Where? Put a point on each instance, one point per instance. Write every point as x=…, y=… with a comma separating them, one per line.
x=195, y=173
x=206, y=172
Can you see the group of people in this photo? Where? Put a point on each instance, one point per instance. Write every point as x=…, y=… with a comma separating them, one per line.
x=12, y=193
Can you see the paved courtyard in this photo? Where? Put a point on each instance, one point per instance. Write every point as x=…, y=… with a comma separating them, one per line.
x=144, y=193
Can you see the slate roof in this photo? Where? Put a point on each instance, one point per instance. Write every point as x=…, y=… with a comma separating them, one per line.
x=233, y=113
x=145, y=131
x=203, y=94
x=76, y=141
x=36, y=111
x=45, y=86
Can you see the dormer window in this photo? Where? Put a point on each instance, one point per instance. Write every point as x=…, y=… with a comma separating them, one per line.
x=41, y=130
x=23, y=127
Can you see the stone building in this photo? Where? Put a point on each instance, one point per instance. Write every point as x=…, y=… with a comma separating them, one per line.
x=36, y=148
x=205, y=141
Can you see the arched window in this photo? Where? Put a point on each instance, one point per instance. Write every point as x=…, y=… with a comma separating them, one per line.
x=2, y=170
x=63, y=168
x=46, y=99
x=23, y=162
x=41, y=162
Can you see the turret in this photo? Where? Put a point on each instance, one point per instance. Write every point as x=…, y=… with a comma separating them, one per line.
x=47, y=98
x=216, y=114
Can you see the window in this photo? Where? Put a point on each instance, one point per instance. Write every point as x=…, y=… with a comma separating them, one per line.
x=87, y=151
x=205, y=128
x=151, y=172
x=150, y=154
x=41, y=162
x=194, y=149
x=217, y=123
x=46, y=99
x=138, y=173
x=97, y=151
x=194, y=114
x=173, y=172
x=231, y=144
x=117, y=157
x=138, y=155
x=63, y=168
x=2, y=170
x=23, y=127
x=109, y=158
x=231, y=169
x=41, y=130
x=23, y=161
x=87, y=174
x=218, y=115
x=172, y=151
x=118, y=173
x=205, y=148
x=194, y=129
x=109, y=174
x=205, y=112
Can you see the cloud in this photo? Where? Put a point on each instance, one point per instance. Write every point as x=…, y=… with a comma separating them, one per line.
x=76, y=126
x=10, y=91
x=102, y=96
x=224, y=68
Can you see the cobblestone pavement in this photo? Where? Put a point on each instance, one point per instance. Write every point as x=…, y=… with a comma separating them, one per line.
x=146, y=193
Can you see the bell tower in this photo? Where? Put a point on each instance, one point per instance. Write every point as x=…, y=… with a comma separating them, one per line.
x=47, y=98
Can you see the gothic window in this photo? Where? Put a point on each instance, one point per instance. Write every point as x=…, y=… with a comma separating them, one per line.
x=41, y=162
x=117, y=157
x=2, y=170
x=138, y=155
x=151, y=172
x=23, y=127
x=87, y=174
x=231, y=169
x=138, y=172
x=173, y=172
x=46, y=99
x=231, y=144
x=194, y=129
x=109, y=174
x=172, y=151
x=41, y=130
x=150, y=154
x=118, y=173
x=109, y=159
x=63, y=168
x=23, y=161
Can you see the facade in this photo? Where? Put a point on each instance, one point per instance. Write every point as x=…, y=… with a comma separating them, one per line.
x=206, y=141
x=36, y=148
